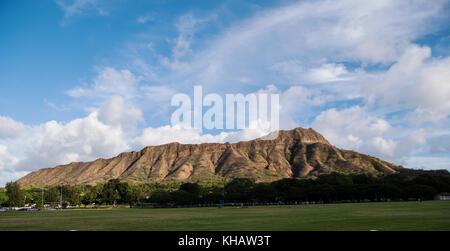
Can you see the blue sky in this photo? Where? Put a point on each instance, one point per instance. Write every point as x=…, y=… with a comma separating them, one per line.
x=82, y=79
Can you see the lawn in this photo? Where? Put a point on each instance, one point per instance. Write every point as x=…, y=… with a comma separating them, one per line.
x=429, y=215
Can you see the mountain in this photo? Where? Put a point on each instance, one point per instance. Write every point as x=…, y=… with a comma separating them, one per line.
x=295, y=153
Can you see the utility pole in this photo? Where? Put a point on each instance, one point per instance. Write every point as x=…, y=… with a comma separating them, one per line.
x=42, y=197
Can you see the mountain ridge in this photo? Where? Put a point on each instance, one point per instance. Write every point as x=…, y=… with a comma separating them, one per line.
x=294, y=153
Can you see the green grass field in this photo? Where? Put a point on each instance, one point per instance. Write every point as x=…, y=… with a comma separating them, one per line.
x=429, y=215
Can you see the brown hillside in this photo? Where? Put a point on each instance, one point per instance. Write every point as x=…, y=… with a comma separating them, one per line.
x=295, y=153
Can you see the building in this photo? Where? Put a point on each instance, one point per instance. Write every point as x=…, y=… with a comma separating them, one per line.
x=442, y=196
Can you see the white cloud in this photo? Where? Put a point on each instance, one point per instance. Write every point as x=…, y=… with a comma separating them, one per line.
x=147, y=71
x=353, y=128
x=8, y=176
x=115, y=113
x=298, y=97
x=187, y=25
x=399, y=76
x=182, y=46
x=144, y=19
x=114, y=84
x=78, y=7
x=416, y=81
x=328, y=73
x=415, y=141
x=185, y=135
x=6, y=158
x=10, y=128
x=256, y=129
x=175, y=65
x=100, y=134
x=168, y=134
x=296, y=101
x=314, y=35
x=432, y=91
x=384, y=147
x=122, y=89
x=428, y=162
x=158, y=93
x=55, y=143
x=109, y=82
x=440, y=144
x=54, y=106
x=300, y=74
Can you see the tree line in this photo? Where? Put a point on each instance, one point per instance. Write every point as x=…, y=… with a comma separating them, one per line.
x=333, y=187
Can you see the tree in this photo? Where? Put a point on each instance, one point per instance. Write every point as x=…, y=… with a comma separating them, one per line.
x=292, y=189
x=323, y=192
x=96, y=193
x=192, y=188
x=88, y=196
x=110, y=194
x=32, y=195
x=419, y=191
x=264, y=192
x=71, y=194
x=182, y=198
x=160, y=196
x=87, y=199
x=438, y=182
x=15, y=195
x=364, y=179
x=335, y=178
x=52, y=194
x=3, y=198
x=212, y=197
x=389, y=191
x=134, y=194
x=124, y=192
x=239, y=190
